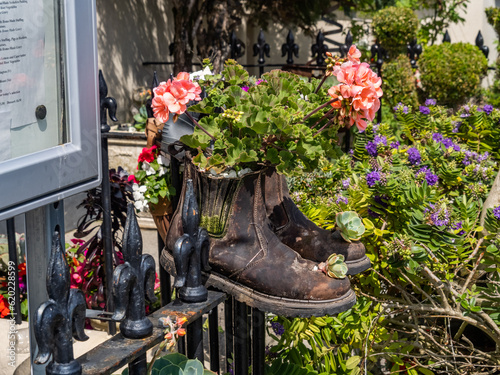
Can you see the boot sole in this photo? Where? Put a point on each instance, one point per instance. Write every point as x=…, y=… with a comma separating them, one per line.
x=276, y=305
x=357, y=266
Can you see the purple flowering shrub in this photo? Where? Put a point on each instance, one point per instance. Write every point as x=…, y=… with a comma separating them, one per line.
x=420, y=188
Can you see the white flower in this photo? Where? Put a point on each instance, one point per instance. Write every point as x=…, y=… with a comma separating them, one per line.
x=162, y=160
x=143, y=188
x=138, y=196
x=162, y=171
x=148, y=168
x=200, y=74
x=141, y=206
x=303, y=97
x=135, y=187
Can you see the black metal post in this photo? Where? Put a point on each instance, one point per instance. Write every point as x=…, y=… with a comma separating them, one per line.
x=237, y=46
x=61, y=318
x=195, y=340
x=176, y=181
x=165, y=284
x=446, y=37
x=480, y=44
x=290, y=48
x=13, y=257
x=133, y=282
x=241, y=359
x=319, y=49
x=181, y=345
x=262, y=49
x=107, y=104
x=228, y=327
x=213, y=336
x=378, y=54
x=258, y=342
x=138, y=366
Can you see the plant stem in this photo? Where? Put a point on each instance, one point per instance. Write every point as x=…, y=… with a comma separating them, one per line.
x=199, y=126
x=324, y=116
x=155, y=356
x=320, y=84
x=324, y=126
x=319, y=108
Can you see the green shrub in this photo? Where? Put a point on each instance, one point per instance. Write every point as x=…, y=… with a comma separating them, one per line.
x=394, y=28
x=452, y=73
x=398, y=82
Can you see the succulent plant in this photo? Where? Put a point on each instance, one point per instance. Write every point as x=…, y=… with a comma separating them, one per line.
x=350, y=225
x=334, y=266
x=177, y=364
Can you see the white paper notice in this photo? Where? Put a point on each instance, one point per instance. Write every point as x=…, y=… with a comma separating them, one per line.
x=5, y=120
x=22, y=45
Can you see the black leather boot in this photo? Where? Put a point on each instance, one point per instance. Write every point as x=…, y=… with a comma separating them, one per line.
x=296, y=231
x=247, y=259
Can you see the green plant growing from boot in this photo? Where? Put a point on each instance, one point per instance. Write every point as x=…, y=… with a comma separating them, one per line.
x=334, y=266
x=350, y=226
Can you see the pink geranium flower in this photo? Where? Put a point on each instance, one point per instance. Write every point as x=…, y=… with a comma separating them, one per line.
x=173, y=96
x=359, y=91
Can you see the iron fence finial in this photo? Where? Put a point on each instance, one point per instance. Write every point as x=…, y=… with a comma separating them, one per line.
x=133, y=281
x=60, y=318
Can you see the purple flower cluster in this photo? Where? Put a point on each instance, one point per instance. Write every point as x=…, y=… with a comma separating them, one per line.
x=414, y=156
x=471, y=156
x=372, y=146
x=402, y=107
x=424, y=110
x=439, y=214
x=278, y=328
x=430, y=177
x=341, y=199
x=488, y=108
x=395, y=144
x=496, y=212
x=372, y=178
x=457, y=226
x=466, y=110
x=456, y=126
x=346, y=183
x=446, y=142
x=430, y=102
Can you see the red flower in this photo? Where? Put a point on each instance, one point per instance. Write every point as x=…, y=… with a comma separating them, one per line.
x=148, y=154
x=21, y=269
x=133, y=179
x=4, y=307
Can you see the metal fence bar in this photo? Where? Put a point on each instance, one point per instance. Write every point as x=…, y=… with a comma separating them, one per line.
x=228, y=327
x=195, y=340
x=213, y=336
x=116, y=352
x=258, y=341
x=13, y=257
x=165, y=284
x=106, y=104
x=241, y=335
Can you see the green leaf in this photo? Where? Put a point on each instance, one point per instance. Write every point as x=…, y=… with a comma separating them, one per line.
x=353, y=362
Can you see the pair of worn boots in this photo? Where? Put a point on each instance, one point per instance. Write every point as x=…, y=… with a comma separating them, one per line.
x=262, y=249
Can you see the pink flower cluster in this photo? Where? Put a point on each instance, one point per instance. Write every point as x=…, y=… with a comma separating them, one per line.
x=358, y=92
x=173, y=95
